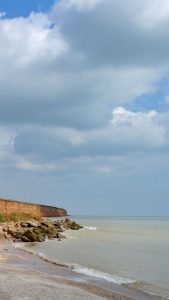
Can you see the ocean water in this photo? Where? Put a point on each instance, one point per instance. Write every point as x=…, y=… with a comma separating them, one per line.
x=131, y=251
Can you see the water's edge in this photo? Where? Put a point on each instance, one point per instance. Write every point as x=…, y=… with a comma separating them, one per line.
x=128, y=289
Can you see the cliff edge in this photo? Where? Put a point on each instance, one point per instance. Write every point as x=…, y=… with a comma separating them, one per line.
x=8, y=207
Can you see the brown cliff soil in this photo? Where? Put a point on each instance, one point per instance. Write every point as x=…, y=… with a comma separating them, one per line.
x=8, y=207
x=35, y=230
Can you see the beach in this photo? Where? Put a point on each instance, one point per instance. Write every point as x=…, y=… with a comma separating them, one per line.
x=20, y=284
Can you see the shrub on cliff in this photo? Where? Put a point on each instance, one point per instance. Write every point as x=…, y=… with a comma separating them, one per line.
x=2, y=218
x=20, y=217
x=16, y=217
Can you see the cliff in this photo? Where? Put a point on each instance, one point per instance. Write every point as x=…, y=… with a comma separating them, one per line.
x=12, y=206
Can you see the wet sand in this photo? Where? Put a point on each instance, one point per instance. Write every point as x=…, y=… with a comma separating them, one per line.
x=24, y=276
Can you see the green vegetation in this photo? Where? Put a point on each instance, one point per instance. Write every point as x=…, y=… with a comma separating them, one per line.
x=16, y=217
x=2, y=218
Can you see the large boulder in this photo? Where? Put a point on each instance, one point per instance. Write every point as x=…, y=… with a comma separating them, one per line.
x=31, y=236
x=45, y=222
x=51, y=232
x=25, y=239
x=68, y=224
x=30, y=223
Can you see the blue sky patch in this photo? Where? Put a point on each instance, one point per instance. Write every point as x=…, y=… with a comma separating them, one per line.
x=19, y=8
x=152, y=101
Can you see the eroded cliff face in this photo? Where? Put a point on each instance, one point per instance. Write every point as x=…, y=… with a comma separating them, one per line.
x=11, y=206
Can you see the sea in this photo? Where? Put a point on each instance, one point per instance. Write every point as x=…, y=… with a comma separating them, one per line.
x=120, y=250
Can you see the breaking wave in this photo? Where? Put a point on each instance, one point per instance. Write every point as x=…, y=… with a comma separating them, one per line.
x=101, y=275
x=88, y=271
x=90, y=228
x=80, y=269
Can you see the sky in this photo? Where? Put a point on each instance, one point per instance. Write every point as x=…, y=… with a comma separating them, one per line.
x=84, y=105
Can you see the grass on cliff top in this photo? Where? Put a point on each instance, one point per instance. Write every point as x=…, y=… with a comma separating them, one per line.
x=16, y=217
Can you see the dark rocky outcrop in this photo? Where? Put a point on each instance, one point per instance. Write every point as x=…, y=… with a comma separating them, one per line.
x=36, y=231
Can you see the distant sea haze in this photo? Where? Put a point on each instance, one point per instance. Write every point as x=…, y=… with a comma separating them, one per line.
x=121, y=250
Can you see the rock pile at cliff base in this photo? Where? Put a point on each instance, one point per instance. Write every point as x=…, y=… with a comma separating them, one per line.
x=36, y=231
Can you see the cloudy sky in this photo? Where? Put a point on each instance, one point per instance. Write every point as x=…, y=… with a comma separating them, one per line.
x=84, y=104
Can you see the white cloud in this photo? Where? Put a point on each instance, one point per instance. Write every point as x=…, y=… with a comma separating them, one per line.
x=35, y=167
x=7, y=138
x=27, y=40
x=153, y=12
x=2, y=14
x=103, y=169
x=80, y=4
x=139, y=126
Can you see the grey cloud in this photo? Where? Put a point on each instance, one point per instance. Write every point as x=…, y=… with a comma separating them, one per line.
x=113, y=33
x=128, y=132
x=79, y=100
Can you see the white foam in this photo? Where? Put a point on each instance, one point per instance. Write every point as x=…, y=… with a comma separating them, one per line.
x=90, y=228
x=18, y=245
x=40, y=254
x=97, y=274
x=21, y=246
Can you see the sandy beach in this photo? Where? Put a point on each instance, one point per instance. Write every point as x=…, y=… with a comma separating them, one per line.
x=24, y=276
x=21, y=284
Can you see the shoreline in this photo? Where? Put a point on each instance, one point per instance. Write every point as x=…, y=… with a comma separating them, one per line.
x=34, y=268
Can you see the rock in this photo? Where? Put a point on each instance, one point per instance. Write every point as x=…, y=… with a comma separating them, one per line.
x=36, y=231
x=34, y=235
x=57, y=225
x=24, y=225
x=46, y=222
x=51, y=232
x=61, y=229
x=5, y=228
x=25, y=239
x=76, y=226
x=1, y=236
x=11, y=231
x=40, y=235
x=71, y=225
x=60, y=236
x=17, y=235
x=30, y=235
x=31, y=223
x=6, y=237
